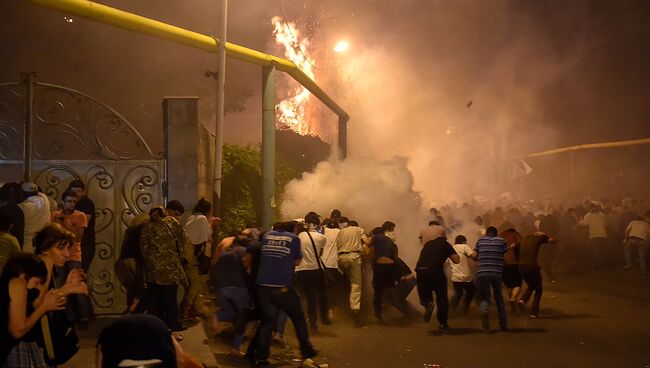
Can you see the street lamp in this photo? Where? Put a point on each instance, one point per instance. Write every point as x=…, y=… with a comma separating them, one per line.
x=341, y=46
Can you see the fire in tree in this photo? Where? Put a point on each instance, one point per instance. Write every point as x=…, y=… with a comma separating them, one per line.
x=291, y=112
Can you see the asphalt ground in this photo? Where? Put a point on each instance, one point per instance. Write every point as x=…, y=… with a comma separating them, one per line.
x=588, y=319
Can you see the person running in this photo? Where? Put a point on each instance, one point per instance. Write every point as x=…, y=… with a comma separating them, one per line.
x=385, y=272
x=279, y=256
x=489, y=252
x=431, y=276
x=636, y=236
x=530, y=270
x=310, y=273
x=511, y=275
x=461, y=275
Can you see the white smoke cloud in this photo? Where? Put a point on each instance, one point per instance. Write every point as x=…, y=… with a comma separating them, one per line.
x=367, y=190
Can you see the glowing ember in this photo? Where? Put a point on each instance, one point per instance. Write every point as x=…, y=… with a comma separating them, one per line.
x=291, y=111
x=341, y=46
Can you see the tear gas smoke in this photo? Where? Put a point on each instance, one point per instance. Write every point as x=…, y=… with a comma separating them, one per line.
x=367, y=190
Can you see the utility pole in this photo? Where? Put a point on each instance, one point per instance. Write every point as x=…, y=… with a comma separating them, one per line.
x=218, y=131
x=268, y=146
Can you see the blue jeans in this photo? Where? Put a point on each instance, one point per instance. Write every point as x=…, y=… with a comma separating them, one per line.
x=270, y=301
x=484, y=283
x=234, y=303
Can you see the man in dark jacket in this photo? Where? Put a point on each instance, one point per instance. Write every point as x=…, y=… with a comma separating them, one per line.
x=431, y=277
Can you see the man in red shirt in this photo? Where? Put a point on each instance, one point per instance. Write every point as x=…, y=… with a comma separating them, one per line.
x=72, y=220
x=79, y=306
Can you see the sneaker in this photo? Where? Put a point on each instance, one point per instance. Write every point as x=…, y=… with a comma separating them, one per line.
x=627, y=267
x=485, y=322
x=428, y=311
x=309, y=363
x=533, y=316
x=234, y=352
x=326, y=322
x=444, y=327
x=278, y=340
x=504, y=328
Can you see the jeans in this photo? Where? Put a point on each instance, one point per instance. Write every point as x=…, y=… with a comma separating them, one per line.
x=430, y=281
x=468, y=288
x=272, y=300
x=484, y=283
x=234, y=303
x=383, y=278
x=396, y=296
x=312, y=286
x=161, y=302
x=533, y=277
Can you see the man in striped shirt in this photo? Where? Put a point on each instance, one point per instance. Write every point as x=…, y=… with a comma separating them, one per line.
x=489, y=253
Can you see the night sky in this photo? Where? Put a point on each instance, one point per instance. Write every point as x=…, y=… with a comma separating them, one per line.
x=583, y=66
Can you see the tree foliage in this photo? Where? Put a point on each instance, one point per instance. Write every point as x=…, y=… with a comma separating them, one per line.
x=241, y=188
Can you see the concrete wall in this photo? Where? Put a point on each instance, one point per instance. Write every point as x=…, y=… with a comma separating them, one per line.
x=189, y=149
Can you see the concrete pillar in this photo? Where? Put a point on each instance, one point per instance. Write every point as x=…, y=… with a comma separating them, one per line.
x=188, y=151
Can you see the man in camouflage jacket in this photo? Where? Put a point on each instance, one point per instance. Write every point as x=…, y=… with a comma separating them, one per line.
x=161, y=244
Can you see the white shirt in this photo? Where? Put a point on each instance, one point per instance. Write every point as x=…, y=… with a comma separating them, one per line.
x=596, y=223
x=36, y=209
x=198, y=228
x=638, y=229
x=350, y=239
x=461, y=271
x=309, y=260
x=330, y=253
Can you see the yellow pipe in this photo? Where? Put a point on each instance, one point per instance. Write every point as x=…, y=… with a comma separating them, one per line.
x=591, y=146
x=139, y=24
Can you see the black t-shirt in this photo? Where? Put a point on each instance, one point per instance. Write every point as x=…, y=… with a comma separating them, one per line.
x=131, y=243
x=7, y=341
x=529, y=249
x=434, y=254
x=383, y=247
x=87, y=206
x=137, y=337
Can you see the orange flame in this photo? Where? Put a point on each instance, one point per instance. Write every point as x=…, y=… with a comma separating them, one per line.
x=291, y=111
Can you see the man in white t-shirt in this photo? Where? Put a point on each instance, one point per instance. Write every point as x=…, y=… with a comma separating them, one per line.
x=310, y=273
x=636, y=235
x=461, y=275
x=36, y=208
x=595, y=221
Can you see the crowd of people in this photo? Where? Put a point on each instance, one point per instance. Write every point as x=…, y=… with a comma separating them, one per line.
x=315, y=271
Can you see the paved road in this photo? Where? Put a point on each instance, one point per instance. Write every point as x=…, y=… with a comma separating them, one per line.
x=597, y=319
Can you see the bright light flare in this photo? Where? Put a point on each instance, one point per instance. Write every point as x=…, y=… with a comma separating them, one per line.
x=341, y=46
x=291, y=111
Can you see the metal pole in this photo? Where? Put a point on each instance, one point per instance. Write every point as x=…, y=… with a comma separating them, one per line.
x=268, y=145
x=571, y=171
x=218, y=131
x=28, y=80
x=343, y=137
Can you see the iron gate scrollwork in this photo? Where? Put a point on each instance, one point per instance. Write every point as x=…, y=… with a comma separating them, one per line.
x=77, y=137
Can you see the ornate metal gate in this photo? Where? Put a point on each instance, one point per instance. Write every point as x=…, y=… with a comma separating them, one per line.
x=53, y=135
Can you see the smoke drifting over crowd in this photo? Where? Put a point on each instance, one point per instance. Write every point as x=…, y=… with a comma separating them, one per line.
x=461, y=89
